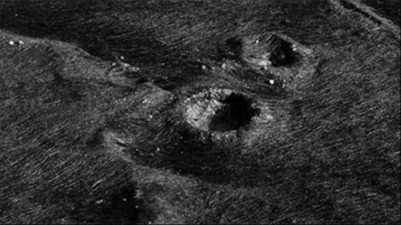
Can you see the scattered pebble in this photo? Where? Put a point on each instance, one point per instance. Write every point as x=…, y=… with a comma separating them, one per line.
x=224, y=66
x=135, y=69
x=11, y=42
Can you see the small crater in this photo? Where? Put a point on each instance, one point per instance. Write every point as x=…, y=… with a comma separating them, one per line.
x=271, y=50
x=219, y=110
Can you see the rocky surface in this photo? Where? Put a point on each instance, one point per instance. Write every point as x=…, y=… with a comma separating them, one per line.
x=198, y=112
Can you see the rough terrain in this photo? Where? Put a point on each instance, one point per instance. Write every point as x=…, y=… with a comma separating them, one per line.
x=199, y=111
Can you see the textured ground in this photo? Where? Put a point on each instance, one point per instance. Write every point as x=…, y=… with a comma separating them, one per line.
x=198, y=111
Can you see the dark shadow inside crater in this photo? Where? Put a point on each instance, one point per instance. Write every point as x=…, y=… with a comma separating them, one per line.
x=282, y=53
x=231, y=49
x=237, y=112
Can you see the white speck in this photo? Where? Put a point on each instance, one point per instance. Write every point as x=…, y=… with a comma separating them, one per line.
x=136, y=206
x=21, y=42
x=126, y=65
x=135, y=69
x=11, y=43
x=99, y=201
x=203, y=67
x=224, y=66
x=271, y=81
x=157, y=149
x=124, y=199
x=122, y=57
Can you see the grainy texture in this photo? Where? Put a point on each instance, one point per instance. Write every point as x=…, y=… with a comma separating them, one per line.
x=390, y=9
x=199, y=111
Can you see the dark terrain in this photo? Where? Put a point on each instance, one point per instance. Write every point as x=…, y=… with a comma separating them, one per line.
x=199, y=111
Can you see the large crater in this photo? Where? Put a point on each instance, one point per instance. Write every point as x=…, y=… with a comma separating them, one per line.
x=219, y=110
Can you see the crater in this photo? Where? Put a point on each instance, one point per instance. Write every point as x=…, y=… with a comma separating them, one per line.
x=219, y=110
x=271, y=50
